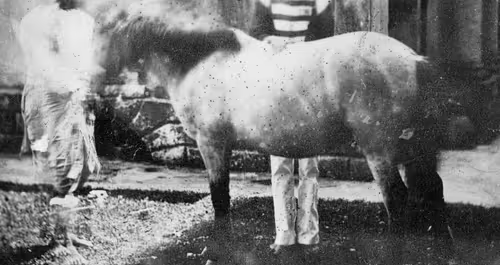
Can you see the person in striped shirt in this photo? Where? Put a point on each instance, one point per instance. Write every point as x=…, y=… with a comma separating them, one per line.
x=282, y=22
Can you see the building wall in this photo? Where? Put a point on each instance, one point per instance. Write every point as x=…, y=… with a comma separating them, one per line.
x=11, y=59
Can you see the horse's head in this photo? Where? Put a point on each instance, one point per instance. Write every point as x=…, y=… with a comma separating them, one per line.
x=175, y=33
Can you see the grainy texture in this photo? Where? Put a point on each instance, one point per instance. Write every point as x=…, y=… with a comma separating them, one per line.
x=121, y=230
x=133, y=228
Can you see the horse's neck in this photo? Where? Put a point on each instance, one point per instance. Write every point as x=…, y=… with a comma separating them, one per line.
x=251, y=44
x=185, y=50
x=168, y=70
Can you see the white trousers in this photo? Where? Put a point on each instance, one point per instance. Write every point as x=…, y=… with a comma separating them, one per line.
x=295, y=223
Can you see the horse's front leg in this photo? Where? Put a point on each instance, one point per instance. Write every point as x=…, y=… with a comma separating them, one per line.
x=216, y=157
x=216, y=154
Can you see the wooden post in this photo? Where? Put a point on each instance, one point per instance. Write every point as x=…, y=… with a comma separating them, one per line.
x=361, y=15
x=462, y=31
x=405, y=25
x=379, y=16
x=237, y=13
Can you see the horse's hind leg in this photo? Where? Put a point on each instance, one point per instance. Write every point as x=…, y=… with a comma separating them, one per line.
x=426, y=203
x=393, y=190
x=426, y=198
x=216, y=155
x=394, y=194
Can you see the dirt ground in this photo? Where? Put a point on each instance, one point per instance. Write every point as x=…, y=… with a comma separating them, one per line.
x=469, y=177
x=158, y=215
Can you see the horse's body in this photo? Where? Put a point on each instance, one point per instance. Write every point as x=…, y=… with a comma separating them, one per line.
x=306, y=100
x=309, y=99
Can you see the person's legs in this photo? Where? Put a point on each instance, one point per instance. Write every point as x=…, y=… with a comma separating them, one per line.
x=307, y=216
x=73, y=156
x=68, y=161
x=283, y=198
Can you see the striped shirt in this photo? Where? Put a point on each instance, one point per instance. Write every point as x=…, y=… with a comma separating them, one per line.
x=292, y=18
x=289, y=18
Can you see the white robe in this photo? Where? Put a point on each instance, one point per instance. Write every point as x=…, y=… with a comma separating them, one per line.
x=59, y=56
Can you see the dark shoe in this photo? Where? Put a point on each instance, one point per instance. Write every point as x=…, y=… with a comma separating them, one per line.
x=311, y=254
x=288, y=255
x=310, y=249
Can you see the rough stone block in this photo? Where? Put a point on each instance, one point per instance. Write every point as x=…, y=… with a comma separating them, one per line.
x=168, y=136
x=152, y=114
x=141, y=115
x=241, y=160
x=171, y=156
x=126, y=91
x=117, y=108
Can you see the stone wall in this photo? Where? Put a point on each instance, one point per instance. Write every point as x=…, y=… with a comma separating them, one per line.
x=11, y=124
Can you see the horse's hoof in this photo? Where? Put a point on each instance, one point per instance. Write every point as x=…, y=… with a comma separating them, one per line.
x=211, y=262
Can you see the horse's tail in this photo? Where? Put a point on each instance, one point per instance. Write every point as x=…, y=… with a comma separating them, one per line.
x=421, y=144
x=442, y=115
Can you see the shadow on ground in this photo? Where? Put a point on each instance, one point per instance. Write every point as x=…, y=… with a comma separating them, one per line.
x=170, y=196
x=26, y=222
x=351, y=233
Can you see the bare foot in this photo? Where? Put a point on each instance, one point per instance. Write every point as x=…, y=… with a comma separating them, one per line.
x=79, y=242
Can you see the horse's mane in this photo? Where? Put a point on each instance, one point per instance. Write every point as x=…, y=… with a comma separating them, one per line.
x=68, y=4
x=185, y=34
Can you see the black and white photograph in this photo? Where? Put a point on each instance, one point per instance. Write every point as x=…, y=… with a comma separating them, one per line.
x=249, y=132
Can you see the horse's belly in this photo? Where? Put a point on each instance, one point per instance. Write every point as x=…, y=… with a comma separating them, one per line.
x=296, y=138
